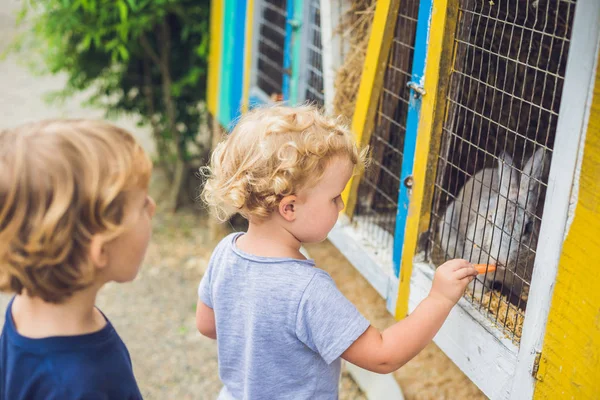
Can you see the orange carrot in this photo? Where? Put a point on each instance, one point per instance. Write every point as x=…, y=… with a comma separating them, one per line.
x=482, y=268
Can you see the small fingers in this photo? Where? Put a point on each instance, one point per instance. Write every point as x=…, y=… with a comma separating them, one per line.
x=461, y=264
x=465, y=272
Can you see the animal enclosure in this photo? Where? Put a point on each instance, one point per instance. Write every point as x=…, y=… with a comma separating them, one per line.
x=501, y=117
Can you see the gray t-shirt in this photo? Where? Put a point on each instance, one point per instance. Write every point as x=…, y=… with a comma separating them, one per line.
x=281, y=325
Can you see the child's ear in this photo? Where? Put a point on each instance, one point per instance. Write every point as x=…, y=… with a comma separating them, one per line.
x=98, y=253
x=287, y=208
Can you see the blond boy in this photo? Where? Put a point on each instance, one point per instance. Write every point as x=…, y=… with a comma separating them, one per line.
x=74, y=215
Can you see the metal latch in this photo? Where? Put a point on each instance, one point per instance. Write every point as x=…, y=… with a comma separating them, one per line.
x=418, y=89
x=539, y=366
x=294, y=23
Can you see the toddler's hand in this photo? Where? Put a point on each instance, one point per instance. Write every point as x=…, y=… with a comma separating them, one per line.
x=451, y=279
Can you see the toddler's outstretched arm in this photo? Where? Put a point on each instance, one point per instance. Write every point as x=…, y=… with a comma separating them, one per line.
x=386, y=352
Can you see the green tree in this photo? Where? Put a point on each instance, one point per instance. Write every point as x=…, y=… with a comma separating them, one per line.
x=145, y=57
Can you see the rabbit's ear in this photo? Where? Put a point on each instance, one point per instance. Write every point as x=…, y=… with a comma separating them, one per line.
x=531, y=179
x=507, y=176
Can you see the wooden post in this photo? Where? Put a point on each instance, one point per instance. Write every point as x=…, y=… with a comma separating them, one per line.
x=437, y=74
x=380, y=41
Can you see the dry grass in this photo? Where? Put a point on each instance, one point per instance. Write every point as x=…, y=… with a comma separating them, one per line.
x=505, y=314
x=355, y=30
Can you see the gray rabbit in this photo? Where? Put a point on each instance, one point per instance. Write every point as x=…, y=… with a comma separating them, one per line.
x=492, y=220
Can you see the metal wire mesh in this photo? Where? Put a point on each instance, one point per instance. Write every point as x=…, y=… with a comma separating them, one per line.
x=378, y=191
x=272, y=21
x=314, y=89
x=501, y=116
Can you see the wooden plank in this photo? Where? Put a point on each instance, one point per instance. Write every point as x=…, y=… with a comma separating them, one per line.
x=248, y=46
x=287, y=51
x=224, y=112
x=570, y=357
x=332, y=54
x=299, y=41
x=380, y=41
x=238, y=49
x=412, y=126
x=231, y=82
x=478, y=348
x=437, y=73
x=214, y=58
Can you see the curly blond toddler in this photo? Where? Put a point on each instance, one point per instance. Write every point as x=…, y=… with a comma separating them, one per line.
x=282, y=326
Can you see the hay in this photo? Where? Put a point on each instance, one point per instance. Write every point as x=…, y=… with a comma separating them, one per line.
x=504, y=314
x=355, y=30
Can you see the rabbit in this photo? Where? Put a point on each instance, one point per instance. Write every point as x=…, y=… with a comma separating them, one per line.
x=492, y=220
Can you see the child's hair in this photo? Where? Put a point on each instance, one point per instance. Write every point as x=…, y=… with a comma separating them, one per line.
x=62, y=181
x=274, y=152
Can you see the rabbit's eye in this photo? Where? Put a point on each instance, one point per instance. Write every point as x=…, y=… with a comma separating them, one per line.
x=528, y=228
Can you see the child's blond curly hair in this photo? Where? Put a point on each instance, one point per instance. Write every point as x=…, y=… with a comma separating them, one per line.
x=273, y=152
x=61, y=182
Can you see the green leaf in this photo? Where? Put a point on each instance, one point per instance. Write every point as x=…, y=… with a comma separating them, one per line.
x=123, y=10
x=123, y=52
x=111, y=45
x=85, y=43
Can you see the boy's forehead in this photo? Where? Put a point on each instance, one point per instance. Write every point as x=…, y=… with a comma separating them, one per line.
x=337, y=173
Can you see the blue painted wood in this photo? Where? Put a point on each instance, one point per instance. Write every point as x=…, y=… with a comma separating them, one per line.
x=232, y=66
x=412, y=125
x=224, y=112
x=287, y=50
x=237, y=71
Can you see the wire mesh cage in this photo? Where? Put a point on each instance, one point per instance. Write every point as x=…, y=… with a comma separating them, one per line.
x=378, y=191
x=314, y=87
x=501, y=116
x=271, y=39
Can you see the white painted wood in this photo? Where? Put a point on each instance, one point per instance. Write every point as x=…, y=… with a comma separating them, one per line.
x=392, y=295
x=470, y=340
x=575, y=103
x=367, y=259
x=375, y=386
x=332, y=57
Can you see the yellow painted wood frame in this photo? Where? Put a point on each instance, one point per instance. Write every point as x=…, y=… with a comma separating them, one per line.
x=440, y=59
x=569, y=366
x=214, y=57
x=248, y=54
x=380, y=42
